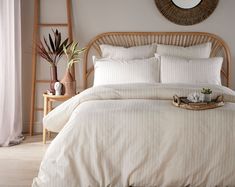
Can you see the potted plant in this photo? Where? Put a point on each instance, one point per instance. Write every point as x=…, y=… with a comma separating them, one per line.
x=73, y=54
x=206, y=94
x=52, y=51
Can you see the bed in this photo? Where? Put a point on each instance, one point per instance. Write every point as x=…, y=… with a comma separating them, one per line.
x=131, y=135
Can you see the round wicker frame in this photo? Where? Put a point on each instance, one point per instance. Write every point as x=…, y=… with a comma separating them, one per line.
x=190, y=16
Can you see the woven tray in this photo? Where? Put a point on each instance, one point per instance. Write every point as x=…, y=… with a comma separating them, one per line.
x=183, y=102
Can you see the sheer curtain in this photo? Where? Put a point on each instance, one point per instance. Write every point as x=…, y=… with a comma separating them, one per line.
x=10, y=73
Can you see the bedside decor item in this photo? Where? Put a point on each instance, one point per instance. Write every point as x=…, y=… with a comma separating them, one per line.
x=72, y=53
x=69, y=84
x=194, y=97
x=52, y=51
x=184, y=103
x=206, y=94
x=48, y=92
x=58, y=88
x=188, y=12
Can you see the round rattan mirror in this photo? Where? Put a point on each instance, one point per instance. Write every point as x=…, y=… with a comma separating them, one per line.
x=186, y=12
x=186, y=4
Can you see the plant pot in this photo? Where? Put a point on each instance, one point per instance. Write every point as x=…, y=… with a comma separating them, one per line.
x=206, y=98
x=69, y=84
x=53, y=74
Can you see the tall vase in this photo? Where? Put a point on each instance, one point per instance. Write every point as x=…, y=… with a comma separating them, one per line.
x=69, y=84
x=53, y=74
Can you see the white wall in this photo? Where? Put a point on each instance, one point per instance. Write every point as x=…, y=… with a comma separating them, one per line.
x=91, y=17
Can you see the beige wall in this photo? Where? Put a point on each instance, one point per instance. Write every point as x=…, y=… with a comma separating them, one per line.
x=92, y=17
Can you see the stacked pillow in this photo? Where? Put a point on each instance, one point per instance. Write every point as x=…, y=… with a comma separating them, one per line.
x=189, y=64
x=192, y=71
x=196, y=51
x=110, y=71
x=120, y=65
x=123, y=53
x=172, y=64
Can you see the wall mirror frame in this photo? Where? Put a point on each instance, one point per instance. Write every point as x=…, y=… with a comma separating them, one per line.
x=186, y=13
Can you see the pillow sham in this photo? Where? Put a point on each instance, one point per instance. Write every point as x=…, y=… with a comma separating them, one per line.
x=122, y=53
x=196, y=51
x=192, y=71
x=109, y=71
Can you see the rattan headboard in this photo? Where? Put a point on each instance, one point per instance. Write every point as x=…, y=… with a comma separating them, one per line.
x=127, y=39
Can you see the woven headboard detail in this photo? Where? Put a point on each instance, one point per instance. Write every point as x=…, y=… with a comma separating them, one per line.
x=128, y=39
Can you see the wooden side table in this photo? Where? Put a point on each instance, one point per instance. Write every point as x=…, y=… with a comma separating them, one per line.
x=48, y=99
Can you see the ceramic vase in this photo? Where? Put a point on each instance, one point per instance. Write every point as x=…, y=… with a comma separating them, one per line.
x=69, y=84
x=206, y=98
x=53, y=74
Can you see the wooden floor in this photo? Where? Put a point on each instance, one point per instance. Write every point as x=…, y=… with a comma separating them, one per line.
x=19, y=164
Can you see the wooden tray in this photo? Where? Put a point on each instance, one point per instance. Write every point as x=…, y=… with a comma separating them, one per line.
x=183, y=102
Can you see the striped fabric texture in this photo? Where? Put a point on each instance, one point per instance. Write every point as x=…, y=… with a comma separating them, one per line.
x=191, y=71
x=109, y=71
x=196, y=51
x=123, y=53
x=131, y=135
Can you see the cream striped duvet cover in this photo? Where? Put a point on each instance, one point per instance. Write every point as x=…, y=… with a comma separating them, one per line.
x=131, y=135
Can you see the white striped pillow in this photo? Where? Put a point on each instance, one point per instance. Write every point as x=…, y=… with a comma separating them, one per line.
x=196, y=51
x=109, y=71
x=122, y=53
x=192, y=71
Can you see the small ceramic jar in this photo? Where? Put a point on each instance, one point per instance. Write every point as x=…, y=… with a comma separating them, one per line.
x=206, y=98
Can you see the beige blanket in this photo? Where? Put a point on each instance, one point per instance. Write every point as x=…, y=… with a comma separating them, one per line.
x=131, y=135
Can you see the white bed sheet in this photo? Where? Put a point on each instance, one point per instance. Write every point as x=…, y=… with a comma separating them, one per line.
x=131, y=135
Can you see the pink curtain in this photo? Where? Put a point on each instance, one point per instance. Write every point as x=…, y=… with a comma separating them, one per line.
x=10, y=73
